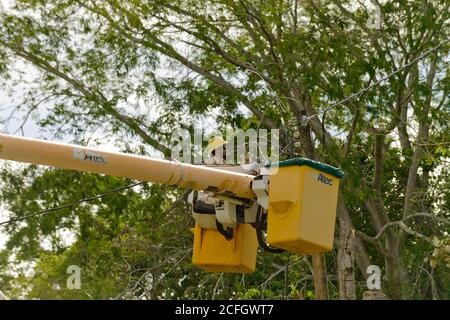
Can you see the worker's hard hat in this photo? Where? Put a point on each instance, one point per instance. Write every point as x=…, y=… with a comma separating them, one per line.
x=215, y=143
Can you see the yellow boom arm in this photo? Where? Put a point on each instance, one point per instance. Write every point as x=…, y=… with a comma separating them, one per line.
x=125, y=165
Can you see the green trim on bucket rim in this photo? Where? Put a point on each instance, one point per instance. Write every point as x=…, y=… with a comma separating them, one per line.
x=338, y=173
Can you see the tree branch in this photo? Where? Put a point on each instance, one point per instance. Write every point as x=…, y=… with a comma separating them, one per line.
x=154, y=42
x=89, y=94
x=401, y=224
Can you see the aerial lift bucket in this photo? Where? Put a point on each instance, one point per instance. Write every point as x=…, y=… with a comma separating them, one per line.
x=302, y=205
x=213, y=253
x=300, y=197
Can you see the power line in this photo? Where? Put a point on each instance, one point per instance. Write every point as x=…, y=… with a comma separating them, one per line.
x=378, y=82
x=72, y=204
x=372, y=85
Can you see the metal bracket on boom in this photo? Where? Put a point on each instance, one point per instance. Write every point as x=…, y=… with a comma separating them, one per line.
x=260, y=187
x=203, y=209
x=231, y=214
x=207, y=208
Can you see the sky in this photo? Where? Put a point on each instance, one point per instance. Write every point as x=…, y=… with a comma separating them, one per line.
x=8, y=100
x=30, y=130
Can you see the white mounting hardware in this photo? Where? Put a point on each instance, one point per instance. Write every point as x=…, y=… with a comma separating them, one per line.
x=230, y=214
x=203, y=209
x=260, y=187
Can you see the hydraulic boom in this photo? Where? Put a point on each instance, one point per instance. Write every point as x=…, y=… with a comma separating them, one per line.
x=293, y=201
x=86, y=159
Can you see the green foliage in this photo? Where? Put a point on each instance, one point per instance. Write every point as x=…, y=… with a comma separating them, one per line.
x=138, y=70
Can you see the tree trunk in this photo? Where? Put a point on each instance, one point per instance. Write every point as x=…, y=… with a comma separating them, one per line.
x=318, y=260
x=396, y=276
x=374, y=295
x=320, y=276
x=345, y=262
x=362, y=258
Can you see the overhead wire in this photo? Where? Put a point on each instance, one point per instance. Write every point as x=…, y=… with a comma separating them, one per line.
x=379, y=81
x=73, y=204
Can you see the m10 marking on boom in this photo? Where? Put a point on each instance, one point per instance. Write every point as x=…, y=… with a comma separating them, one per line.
x=88, y=156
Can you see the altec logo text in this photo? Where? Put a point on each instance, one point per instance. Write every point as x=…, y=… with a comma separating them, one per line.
x=323, y=179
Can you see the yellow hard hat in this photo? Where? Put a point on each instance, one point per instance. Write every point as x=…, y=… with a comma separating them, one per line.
x=215, y=143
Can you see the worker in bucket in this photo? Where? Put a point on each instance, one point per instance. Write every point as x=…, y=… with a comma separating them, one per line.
x=217, y=150
x=217, y=155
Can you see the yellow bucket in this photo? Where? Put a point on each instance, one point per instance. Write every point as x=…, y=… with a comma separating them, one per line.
x=302, y=208
x=213, y=253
